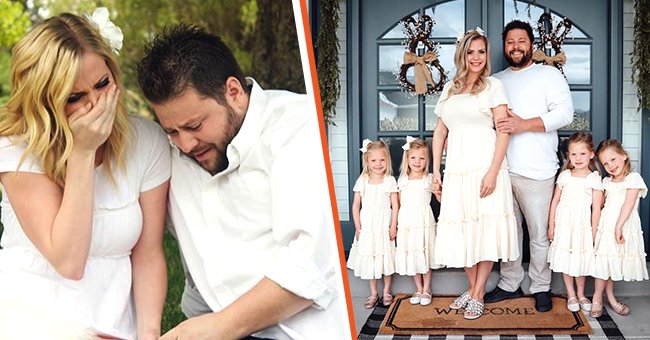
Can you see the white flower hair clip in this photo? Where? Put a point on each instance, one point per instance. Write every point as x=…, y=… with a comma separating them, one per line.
x=461, y=35
x=107, y=28
x=407, y=146
x=365, y=144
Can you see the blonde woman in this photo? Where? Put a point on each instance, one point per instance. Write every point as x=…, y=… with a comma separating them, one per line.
x=84, y=190
x=476, y=226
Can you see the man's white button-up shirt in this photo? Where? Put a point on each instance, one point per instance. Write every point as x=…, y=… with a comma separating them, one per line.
x=267, y=215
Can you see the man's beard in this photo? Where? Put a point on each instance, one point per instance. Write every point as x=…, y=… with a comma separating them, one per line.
x=220, y=162
x=525, y=58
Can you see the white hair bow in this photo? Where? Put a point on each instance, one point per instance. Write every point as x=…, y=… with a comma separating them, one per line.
x=460, y=35
x=107, y=28
x=365, y=144
x=407, y=146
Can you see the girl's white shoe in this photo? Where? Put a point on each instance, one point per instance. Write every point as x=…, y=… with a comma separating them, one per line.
x=425, y=299
x=572, y=304
x=416, y=298
x=585, y=304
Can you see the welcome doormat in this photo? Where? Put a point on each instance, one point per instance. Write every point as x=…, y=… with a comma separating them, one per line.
x=511, y=319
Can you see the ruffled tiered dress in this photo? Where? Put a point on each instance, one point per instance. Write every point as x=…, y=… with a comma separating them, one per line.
x=620, y=261
x=416, y=227
x=373, y=254
x=572, y=249
x=472, y=229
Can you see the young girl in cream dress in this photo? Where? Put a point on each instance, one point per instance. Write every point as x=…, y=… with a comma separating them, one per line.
x=619, y=245
x=573, y=218
x=416, y=225
x=374, y=212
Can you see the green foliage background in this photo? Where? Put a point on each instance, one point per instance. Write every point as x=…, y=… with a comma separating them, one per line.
x=261, y=34
x=641, y=51
x=14, y=22
x=328, y=59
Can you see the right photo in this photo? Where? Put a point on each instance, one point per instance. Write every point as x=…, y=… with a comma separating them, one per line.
x=489, y=166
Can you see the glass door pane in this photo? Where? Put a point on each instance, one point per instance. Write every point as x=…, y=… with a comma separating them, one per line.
x=398, y=111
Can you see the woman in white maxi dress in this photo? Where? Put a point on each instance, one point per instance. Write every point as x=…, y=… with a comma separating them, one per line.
x=476, y=226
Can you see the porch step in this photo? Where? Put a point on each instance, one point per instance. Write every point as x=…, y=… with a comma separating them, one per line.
x=454, y=282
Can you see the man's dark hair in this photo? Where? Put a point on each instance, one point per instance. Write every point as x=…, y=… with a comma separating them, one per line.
x=517, y=24
x=185, y=56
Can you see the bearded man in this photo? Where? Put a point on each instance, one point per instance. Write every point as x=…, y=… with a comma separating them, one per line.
x=540, y=104
x=248, y=197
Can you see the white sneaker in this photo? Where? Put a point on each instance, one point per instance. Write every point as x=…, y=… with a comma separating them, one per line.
x=415, y=299
x=425, y=299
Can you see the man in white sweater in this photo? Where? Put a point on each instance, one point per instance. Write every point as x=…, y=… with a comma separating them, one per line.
x=540, y=104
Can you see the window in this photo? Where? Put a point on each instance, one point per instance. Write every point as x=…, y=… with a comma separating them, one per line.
x=578, y=48
x=401, y=113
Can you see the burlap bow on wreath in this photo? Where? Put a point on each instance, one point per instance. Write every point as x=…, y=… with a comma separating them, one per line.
x=554, y=38
x=423, y=74
x=418, y=33
x=540, y=56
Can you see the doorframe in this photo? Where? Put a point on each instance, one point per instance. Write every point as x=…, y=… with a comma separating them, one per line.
x=616, y=73
x=645, y=172
x=353, y=23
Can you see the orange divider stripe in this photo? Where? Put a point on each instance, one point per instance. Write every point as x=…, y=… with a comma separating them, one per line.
x=328, y=167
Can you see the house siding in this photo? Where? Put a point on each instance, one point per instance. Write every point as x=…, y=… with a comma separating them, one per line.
x=631, y=111
x=338, y=133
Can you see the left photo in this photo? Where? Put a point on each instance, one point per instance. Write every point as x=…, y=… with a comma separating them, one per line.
x=163, y=175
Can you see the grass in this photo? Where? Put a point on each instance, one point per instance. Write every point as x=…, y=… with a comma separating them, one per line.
x=172, y=314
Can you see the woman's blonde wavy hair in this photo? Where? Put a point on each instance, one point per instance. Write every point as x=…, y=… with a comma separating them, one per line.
x=460, y=59
x=45, y=65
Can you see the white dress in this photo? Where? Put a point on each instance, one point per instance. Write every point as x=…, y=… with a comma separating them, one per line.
x=102, y=299
x=572, y=249
x=620, y=261
x=373, y=254
x=416, y=227
x=472, y=229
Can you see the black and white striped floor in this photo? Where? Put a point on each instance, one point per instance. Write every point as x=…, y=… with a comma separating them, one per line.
x=604, y=328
